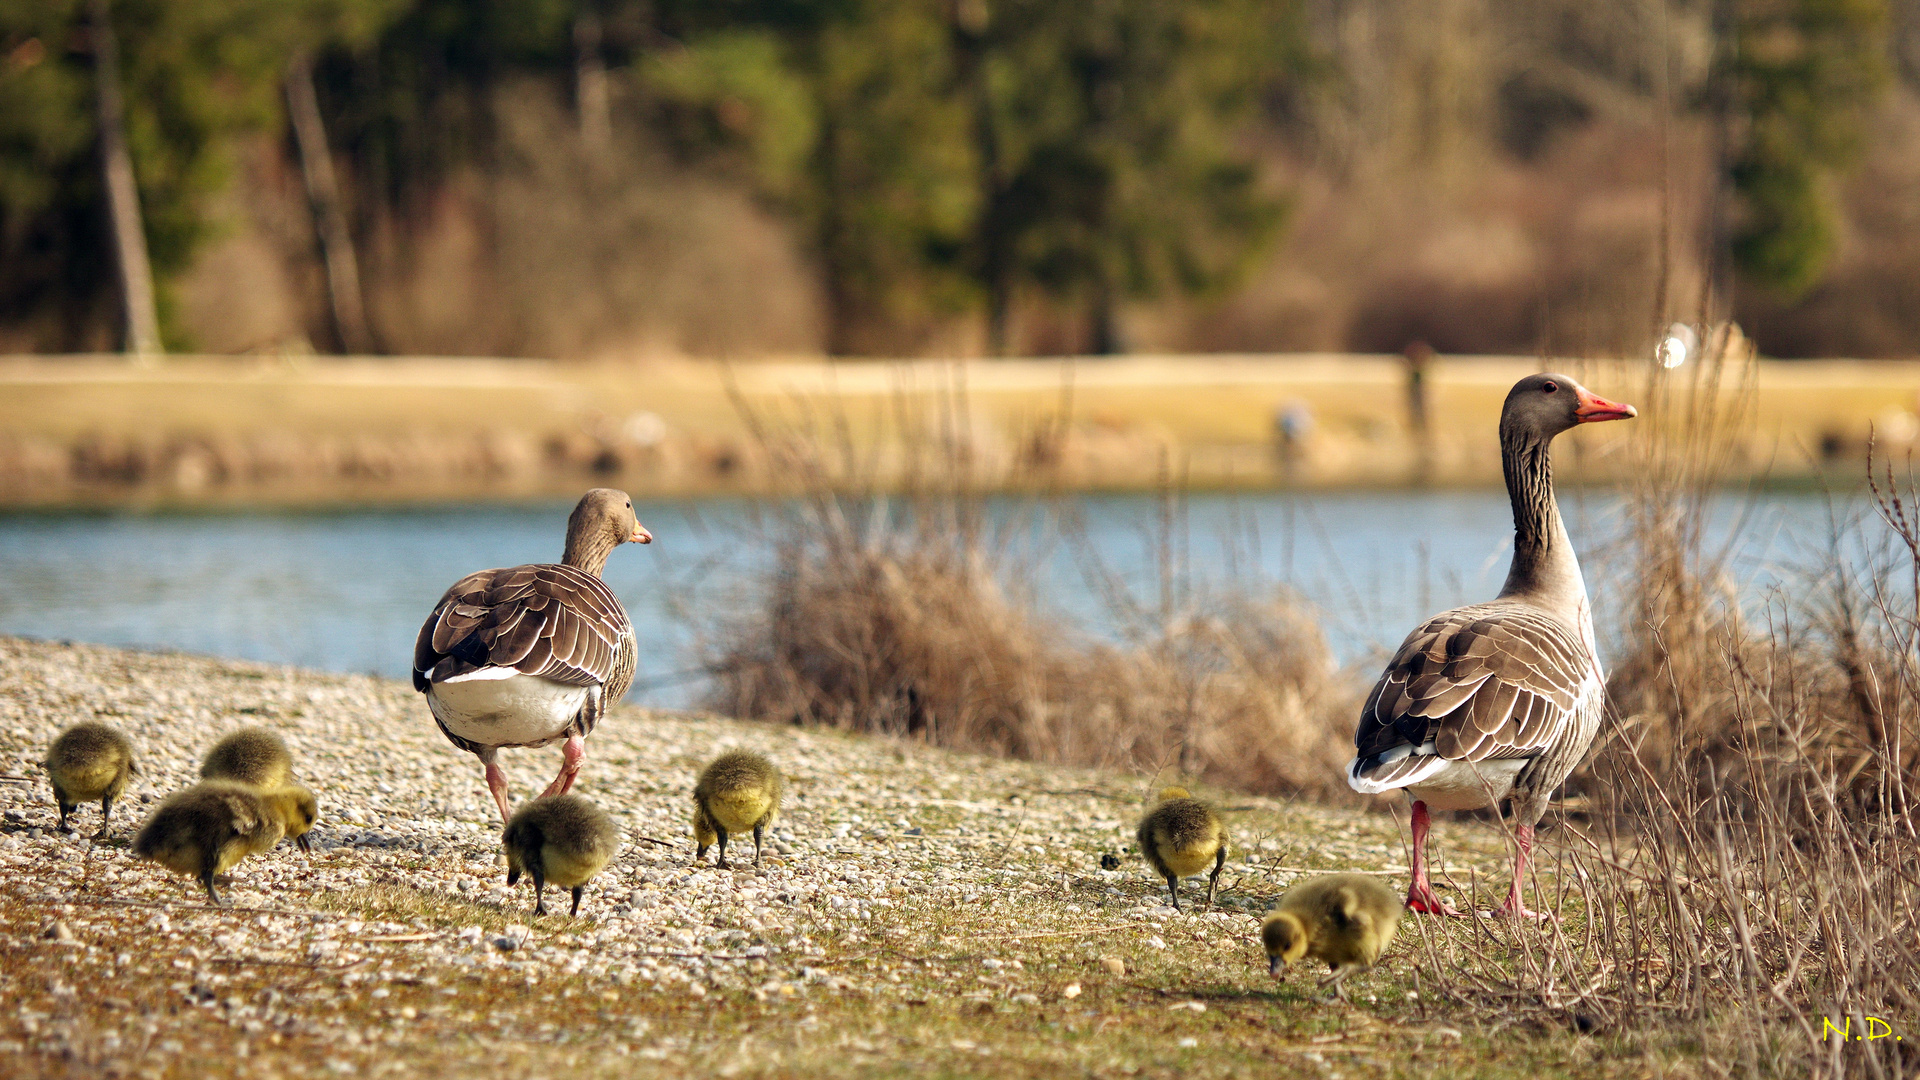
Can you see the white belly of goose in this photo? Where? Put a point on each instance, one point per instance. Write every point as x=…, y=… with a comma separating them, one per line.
x=497, y=706
x=1468, y=785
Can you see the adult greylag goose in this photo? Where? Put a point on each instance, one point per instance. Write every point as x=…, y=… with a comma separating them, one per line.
x=532, y=655
x=1497, y=700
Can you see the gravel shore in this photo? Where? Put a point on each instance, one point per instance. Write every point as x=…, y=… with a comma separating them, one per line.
x=897, y=874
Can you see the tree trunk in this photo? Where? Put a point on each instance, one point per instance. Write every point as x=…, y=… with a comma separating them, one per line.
x=123, y=196
x=329, y=222
x=993, y=239
x=1106, y=337
x=590, y=81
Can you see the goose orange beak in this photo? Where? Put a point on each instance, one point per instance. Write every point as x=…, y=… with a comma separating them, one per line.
x=1593, y=408
x=640, y=535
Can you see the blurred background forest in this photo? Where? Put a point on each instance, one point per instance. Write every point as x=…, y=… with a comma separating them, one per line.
x=618, y=178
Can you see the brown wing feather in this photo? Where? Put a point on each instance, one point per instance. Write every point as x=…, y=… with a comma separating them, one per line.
x=1491, y=681
x=545, y=619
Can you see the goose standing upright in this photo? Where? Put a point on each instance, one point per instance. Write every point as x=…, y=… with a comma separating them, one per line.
x=531, y=655
x=1500, y=699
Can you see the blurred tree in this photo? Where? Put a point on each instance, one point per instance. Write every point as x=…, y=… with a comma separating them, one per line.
x=1797, y=80
x=1111, y=149
x=942, y=151
x=845, y=112
x=194, y=73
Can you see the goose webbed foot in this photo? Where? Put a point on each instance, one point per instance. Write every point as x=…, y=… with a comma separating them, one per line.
x=1422, y=899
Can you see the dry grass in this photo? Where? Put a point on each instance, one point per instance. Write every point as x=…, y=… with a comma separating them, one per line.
x=902, y=615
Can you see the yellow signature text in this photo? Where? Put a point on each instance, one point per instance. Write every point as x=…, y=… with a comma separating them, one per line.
x=1875, y=1028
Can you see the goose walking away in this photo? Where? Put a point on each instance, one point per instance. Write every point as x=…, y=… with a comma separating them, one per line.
x=738, y=792
x=530, y=655
x=89, y=761
x=1499, y=700
x=1180, y=837
x=561, y=840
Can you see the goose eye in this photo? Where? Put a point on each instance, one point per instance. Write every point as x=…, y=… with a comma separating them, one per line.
x=1550, y=387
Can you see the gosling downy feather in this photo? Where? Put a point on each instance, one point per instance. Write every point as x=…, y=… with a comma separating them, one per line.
x=562, y=839
x=739, y=791
x=1347, y=920
x=89, y=761
x=1179, y=837
x=204, y=830
x=251, y=755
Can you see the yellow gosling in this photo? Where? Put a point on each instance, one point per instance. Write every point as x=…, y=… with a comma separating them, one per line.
x=86, y=762
x=203, y=831
x=739, y=791
x=559, y=839
x=251, y=755
x=297, y=809
x=1347, y=920
x=1179, y=837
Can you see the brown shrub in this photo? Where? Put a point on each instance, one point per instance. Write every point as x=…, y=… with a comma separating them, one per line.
x=895, y=615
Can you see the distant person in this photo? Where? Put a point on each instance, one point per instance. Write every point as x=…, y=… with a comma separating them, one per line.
x=1292, y=427
x=1417, y=357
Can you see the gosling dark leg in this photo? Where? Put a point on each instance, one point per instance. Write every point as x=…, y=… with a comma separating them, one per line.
x=65, y=809
x=577, y=890
x=206, y=878
x=1213, y=879
x=1173, y=889
x=539, y=888
x=756, y=843
x=721, y=834
x=106, y=814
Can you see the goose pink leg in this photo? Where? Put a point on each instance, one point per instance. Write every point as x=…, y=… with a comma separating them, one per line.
x=572, y=753
x=497, y=784
x=1420, y=894
x=1514, y=906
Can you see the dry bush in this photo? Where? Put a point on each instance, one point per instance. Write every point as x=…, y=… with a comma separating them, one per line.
x=903, y=614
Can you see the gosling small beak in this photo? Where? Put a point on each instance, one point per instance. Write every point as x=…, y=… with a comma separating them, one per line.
x=1593, y=408
x=1273, y=966
x=304, y=844
x=640, y=535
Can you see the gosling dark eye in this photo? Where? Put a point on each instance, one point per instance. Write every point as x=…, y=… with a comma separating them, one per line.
x=1550, y=387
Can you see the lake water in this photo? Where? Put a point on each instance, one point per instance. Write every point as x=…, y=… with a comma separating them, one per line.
x=347, y=590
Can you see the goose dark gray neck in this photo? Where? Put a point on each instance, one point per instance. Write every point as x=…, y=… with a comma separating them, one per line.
x=1544, y=569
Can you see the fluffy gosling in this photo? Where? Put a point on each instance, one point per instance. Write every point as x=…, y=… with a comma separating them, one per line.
x=562, y=839
x=1180, y=837
x=740, y=790
x=206, y=829
x=86, y=762
x=1348, y=920
x=251, y=755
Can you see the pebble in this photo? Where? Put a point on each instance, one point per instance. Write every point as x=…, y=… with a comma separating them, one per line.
x=401, y=808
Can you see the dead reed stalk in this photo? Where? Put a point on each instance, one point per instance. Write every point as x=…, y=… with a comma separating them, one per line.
x=897, y=602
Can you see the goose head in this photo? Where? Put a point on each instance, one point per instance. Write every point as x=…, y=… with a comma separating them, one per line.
x=1285, y=939
x=1547, y=404
x=605, y=516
